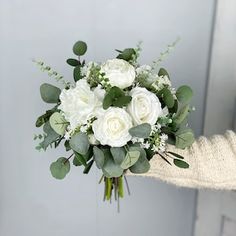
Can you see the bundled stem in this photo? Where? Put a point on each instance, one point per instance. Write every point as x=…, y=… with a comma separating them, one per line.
x=114, y=186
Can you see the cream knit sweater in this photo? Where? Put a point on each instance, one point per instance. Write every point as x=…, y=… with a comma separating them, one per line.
x=212, y=164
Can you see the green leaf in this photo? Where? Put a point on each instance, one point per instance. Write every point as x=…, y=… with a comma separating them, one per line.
x=111, y=169
x=142, y=165
x=72, y=62
x=176, y=155
x=181, y=115
x=122, y=101
x=163, y=72
x=88, y=167
x=77, y=73
x=67, y=145
x=60, y=168
x=181, y=163
x=79, y=143
x=115, y=97
x=130, y=158
x=51, y=136
x=118, y=154
x=80, y=48
x=184, y=94
x=44, y=118
x=126, y=54
x=98, y=157
x=76, y=162
x=184, y=138
x=141, y=131
x=58, y=123
x=168, y=98
x=107, y=101
x=80, y=158
x=49, y=93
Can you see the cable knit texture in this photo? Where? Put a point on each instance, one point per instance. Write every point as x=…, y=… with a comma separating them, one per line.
x=212, y=164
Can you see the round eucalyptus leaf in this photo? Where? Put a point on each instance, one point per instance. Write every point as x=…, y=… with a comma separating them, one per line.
x=49, y=93
x=80, y=48
x=141, y=131
x=60, y=168
x=184, y=94
x=118, y=154
x=111, y=169
x=80, y=143
x=131, y=158
x=58, y=123
x=142, y=165
x=98, y=157
x=184, y=138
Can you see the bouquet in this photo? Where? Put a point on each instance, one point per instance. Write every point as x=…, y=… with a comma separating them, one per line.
x=116, y=114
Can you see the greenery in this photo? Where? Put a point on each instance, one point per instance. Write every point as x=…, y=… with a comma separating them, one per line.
x=144, y=140
x=80, y=48
x=58, y=123
x=141, y=131
x=49, y=93
x=60, y=168
x=79, y=143
x=116, y=97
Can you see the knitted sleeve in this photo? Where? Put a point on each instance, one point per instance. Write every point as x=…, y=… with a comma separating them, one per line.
x=212, y=164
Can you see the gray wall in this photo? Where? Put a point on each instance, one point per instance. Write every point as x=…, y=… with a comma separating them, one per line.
x=31, y=201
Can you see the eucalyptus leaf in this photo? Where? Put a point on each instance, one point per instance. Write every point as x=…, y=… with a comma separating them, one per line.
x=79, y=143
x=184, y=94
x=44, y=118
x=130, y=159
x=77, y=73
x=184, y=138
x=80, y=159
x=115, y=97
x=168, y=98
x=76, y=162
x=118, y=154
x=107, y=101
x=141, y=131
x=49, y=93
x=122, y=101
x=60, y=168
x=181, y=115
x=181, y=163
x=58, y=123
x=126, y=54
x=111, y=169
x=98, y=157
x=51, y=136
x=163, y=72
x=72, y=62
x=142, y=165
x=80, y=48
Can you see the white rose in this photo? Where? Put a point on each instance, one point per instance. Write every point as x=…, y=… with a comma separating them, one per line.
x=79, y=103
x=112, y=128
x=144, y=107
x=119, y=72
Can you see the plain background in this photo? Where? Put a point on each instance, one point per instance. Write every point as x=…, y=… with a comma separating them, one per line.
x=31, y=201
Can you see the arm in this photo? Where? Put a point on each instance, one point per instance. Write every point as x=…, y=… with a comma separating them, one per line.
x=212, y=164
